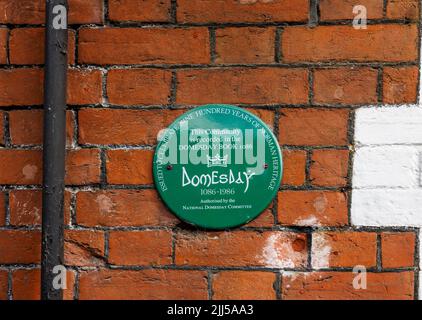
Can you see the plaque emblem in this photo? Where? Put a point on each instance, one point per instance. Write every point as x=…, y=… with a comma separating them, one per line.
x=217, y=166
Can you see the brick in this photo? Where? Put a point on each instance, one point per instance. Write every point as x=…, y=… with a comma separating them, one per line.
x=21, y=87
x=26, y=127
x=312, y=127
x=400, y=85
x=139, y=86
x=294, y=162
x=123, y=166
x=4, y=284
x=4, y=34
x=386, y=207
x=2, y=209
x=338, y=10
x=26, y=284
x=33, y=11
x=122, y=208
x=25, y=87
x=84, y=87
x=20, y=166
x=312, y=208
x=20, y=247
x=242, y=85
x=143, y=284
x=26, y=46
x=375, y=125
x=339, y=286
x=2, y=115
x=345, y=86
x=26, y=207
x=386, y=166
x=84, y=12
x=84, y=248
x=267, y=116
x=243, y=285
x=248, y=248
x=398, y=249
x=140, y=10
x=344, y=249
x=390, y=42
x=245, y=45
x=265, y=219
x=128, y=127
x=403, y=9
x=151, y=247
x=224, y=11
x=144, y=46
x=329, y=167
x=83, y=167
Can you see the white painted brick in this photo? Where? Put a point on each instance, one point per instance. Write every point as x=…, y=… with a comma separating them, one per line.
x=387, y=207
x=389, y=125
x=420, y=251
x=420, y=287
x=386, y=166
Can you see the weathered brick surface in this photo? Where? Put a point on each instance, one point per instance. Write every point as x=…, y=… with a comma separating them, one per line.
x=2, y=118
x=33, y=11
x=84, y=87
x=313, y=127
x=400, y=85
x=3, y=284
x=239, y=285
x=20, y=166
x=2, y=209
x=239, y=85
x=345, y=86
x=268, y=249
x=18, y=246
x=26, y=46
x=344, y=249
x=21, y=87
x=128, y=127
x=83, y=167
x=122, y=208
x=339, y=286
x=403, y=9
x=137, y=87
x=294, y=163
x=329, y=167
x=312, y=208
x=326, y=43
x=253, y=45
x=141, y=248
x=26, y=127
x=26, y=207
x=139, y=10
x=3, y=45
x=242, y=11
x=26, y=284
x=145, y=284
x=123, y=167
x=336, y=10
x=398, y=249
x=84, y=248
x=144, y=46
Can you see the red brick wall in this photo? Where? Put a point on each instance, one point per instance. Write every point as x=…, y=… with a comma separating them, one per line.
x=134, y=67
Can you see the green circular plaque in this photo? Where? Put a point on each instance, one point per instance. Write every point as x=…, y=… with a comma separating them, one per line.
x=217, y=166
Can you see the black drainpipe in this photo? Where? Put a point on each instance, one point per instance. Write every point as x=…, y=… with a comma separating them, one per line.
x=54, y=145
